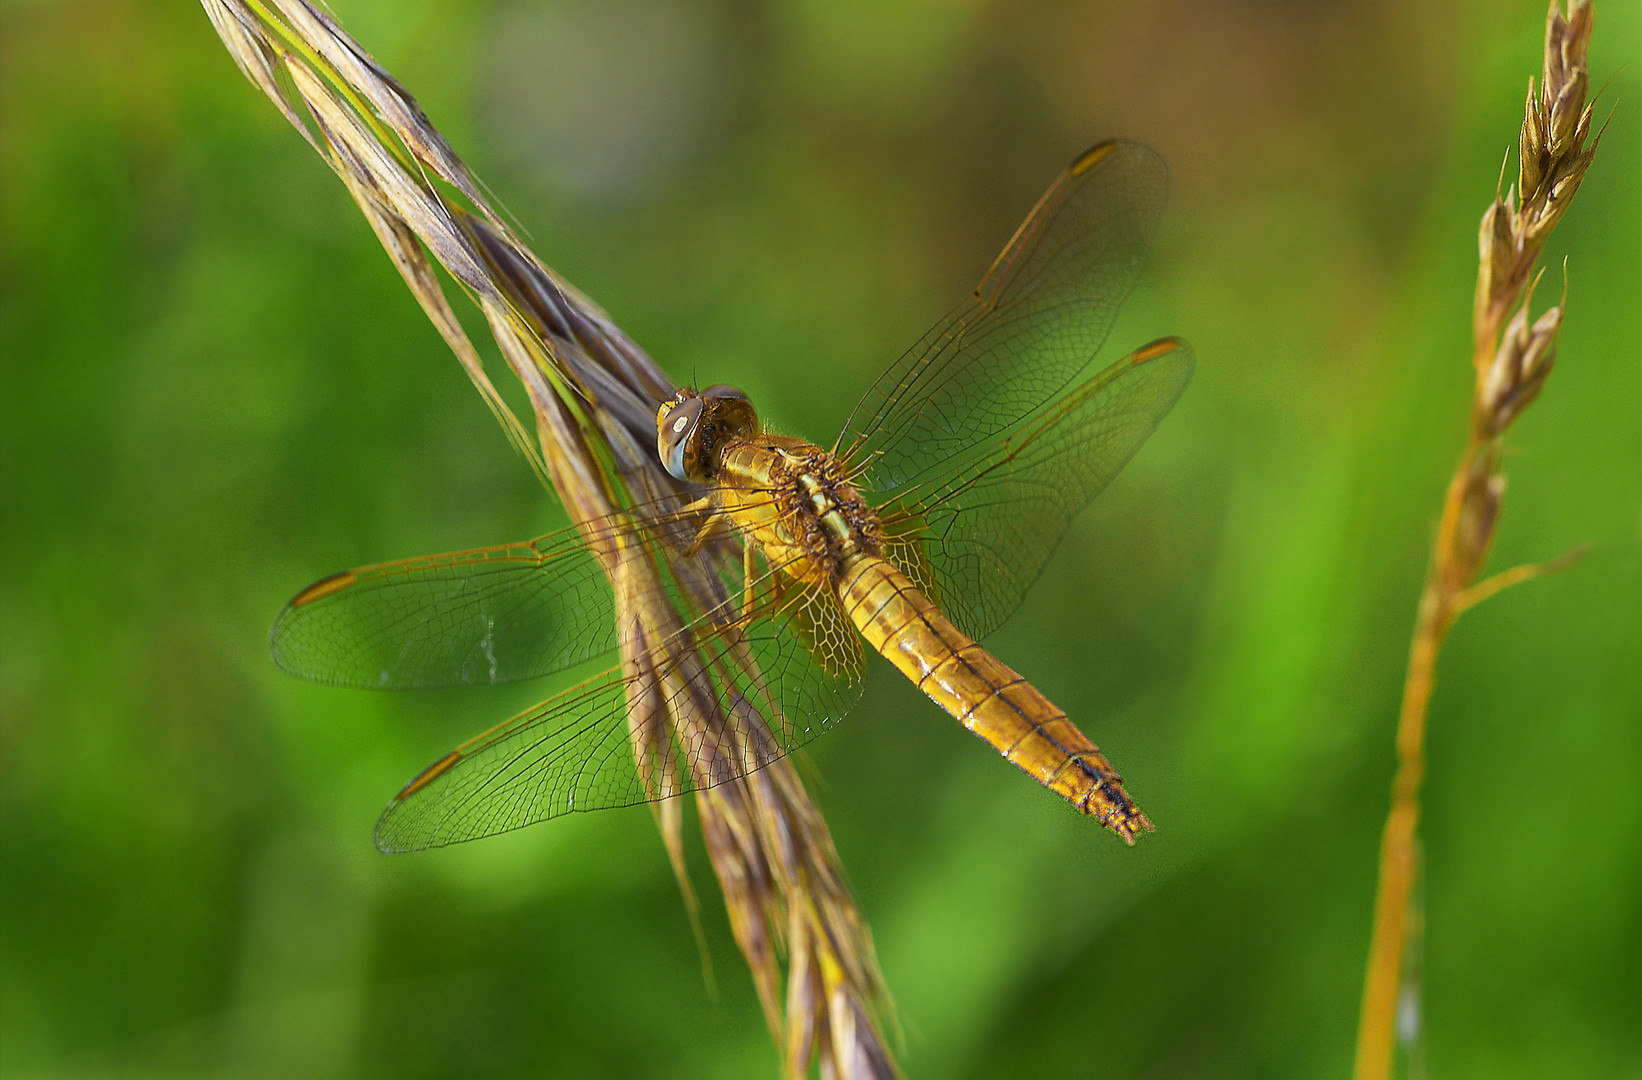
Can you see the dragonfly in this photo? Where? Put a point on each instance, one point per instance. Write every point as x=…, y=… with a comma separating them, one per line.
x=916, y=534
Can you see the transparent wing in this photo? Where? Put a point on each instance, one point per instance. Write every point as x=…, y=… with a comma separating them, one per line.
x=975, y=537
x=1032, y=324
x=692, y=708
x=490, y=615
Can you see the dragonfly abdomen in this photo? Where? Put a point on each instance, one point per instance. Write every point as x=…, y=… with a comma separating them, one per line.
x=984, y=694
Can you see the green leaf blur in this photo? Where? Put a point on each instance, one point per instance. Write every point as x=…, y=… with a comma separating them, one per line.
x=216, y=389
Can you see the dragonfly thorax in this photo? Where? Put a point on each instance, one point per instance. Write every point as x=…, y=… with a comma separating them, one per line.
x=692, y=428
x=797, y=502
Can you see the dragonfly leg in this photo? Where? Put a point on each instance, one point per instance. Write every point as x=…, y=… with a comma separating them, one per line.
x=748, y=572
x=717, y=523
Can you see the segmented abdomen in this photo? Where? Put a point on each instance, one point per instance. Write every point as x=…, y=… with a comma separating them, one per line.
x=983, y=693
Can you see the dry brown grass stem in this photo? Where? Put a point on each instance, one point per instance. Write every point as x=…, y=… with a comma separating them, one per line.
x=593, y=395
x=1512, y=357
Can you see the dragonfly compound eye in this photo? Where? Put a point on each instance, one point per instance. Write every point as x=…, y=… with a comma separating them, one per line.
x=691, y=430
x=729, y=413
x=677, y=425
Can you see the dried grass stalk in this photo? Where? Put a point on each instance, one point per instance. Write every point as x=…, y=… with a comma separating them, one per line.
x=1512, y=356
x=593, y=394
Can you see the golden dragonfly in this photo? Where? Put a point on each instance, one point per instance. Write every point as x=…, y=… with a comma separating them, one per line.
x=919, y=532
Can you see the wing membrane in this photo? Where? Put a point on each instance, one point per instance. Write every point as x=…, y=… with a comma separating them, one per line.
x=696, y=706
x=1032, y=324
x=490, y=615
x=976, y=537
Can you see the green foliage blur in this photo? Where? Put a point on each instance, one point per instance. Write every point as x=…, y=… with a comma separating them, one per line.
x=216, y=390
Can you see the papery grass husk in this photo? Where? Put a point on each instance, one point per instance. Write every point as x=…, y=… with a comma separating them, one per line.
x=593, y=395
x=1512, y=355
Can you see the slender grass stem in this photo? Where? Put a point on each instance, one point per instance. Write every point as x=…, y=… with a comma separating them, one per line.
x=1512, y=358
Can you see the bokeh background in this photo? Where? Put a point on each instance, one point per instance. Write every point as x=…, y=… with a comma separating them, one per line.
x=216, y=389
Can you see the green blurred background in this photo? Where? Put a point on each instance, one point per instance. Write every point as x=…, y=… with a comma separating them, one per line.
x=216, y=389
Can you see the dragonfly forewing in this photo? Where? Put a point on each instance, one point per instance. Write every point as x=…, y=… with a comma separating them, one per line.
x=1035, y=321
x=491, y=615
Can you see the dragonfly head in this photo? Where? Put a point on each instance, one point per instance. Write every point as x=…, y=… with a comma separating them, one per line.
x=692, y=428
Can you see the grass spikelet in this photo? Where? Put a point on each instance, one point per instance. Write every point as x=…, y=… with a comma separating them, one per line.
x=1513, y=353
x=593, y=395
